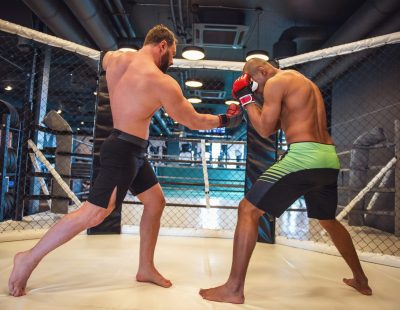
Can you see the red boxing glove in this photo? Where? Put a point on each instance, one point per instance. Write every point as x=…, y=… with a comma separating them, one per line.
x=243, y=89
x=232, y=118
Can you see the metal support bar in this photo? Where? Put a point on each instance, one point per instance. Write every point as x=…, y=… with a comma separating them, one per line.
x=25, y=135
x=205, y=173
x=397, y=178
x=5, y=125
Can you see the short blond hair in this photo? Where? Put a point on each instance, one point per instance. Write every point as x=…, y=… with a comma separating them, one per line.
x=159, y=33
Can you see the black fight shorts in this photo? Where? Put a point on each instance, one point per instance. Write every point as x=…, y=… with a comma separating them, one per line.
x=308, y=169
x=123, y=165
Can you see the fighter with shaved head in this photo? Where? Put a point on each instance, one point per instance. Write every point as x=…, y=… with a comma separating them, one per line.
x=309, y=168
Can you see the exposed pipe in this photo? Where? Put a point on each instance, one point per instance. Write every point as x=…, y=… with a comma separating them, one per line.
x=95, y=23
x=368, y=17
x=155, y=127
x=120, y=27
x=286, y=45
x=296, y=32
x=332, y=72
x=181, y=17
x=131, y=43
x=162, y=123
x=124, y=15
x=199, y=6
x=171, y=2
x=59, y=19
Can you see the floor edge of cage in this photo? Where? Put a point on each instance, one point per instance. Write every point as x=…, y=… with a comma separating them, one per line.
x=381, y=259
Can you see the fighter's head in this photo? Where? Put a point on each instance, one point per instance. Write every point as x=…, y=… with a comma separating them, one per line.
x=165, y=41
x=259, y=71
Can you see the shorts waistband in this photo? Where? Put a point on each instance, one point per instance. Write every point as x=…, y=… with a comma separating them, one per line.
x=311, y=145
x=130, y=138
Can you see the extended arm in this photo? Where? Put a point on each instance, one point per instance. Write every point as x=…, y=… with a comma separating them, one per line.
x=183, y=112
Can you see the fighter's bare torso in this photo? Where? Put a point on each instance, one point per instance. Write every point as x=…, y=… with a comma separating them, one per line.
x=132, y=80
x=303, y=115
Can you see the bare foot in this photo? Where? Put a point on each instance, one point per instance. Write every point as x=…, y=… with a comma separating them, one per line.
x=23, y=267
x=222, y=294
x=361, y=286
x=151, y=275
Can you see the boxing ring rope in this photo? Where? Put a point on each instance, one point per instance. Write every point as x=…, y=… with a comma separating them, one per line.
x=28, y=33
x=342, y=49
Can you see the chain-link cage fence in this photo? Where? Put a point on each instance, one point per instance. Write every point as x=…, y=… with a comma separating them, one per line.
x=203, y=183
x=362, y=101
x=51, y=92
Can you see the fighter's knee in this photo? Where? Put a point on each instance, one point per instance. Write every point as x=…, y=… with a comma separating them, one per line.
x=98, y=217
x=162, y=202
x=158, y=204
x=93, y=215
x=247, y=209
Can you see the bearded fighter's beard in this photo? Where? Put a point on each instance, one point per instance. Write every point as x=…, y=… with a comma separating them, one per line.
x=164, y=62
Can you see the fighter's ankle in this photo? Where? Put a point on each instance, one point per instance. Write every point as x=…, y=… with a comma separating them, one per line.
x=234, y=286
x=360, y=278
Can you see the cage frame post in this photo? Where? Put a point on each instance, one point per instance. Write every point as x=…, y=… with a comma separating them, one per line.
x=397, y=178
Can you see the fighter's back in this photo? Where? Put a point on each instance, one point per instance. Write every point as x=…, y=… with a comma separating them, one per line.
x=131, y=80
x=303, y=115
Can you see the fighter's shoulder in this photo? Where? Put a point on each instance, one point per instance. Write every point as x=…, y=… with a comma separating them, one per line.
x=166, y=81
x=286, y=78
x=279, y=80
x=121, y=54
x=288, y=74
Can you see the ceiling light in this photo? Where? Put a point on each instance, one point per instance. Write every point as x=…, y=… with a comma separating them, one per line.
x=193, y=83
x=8, y=88
x=78, y=128
x=194, y=100
x=257, y=54
x=193, y=53
x=82, y=123
x=230, y=101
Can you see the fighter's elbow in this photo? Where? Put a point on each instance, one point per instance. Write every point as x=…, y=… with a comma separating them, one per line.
x=187, y=122
x=193, y=125
x=264, y=133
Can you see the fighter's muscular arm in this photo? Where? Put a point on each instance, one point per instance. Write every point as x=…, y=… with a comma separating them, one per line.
x=182, y=110
x=266, y=121
x=106, y=58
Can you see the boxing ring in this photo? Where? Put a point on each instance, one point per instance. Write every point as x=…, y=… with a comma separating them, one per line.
x=98, y=272
x=302, y=270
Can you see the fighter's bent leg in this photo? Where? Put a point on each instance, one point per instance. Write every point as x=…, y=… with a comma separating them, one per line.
x=342, y=240
x=244, y=242
x=154, y=203
x=88, y=215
